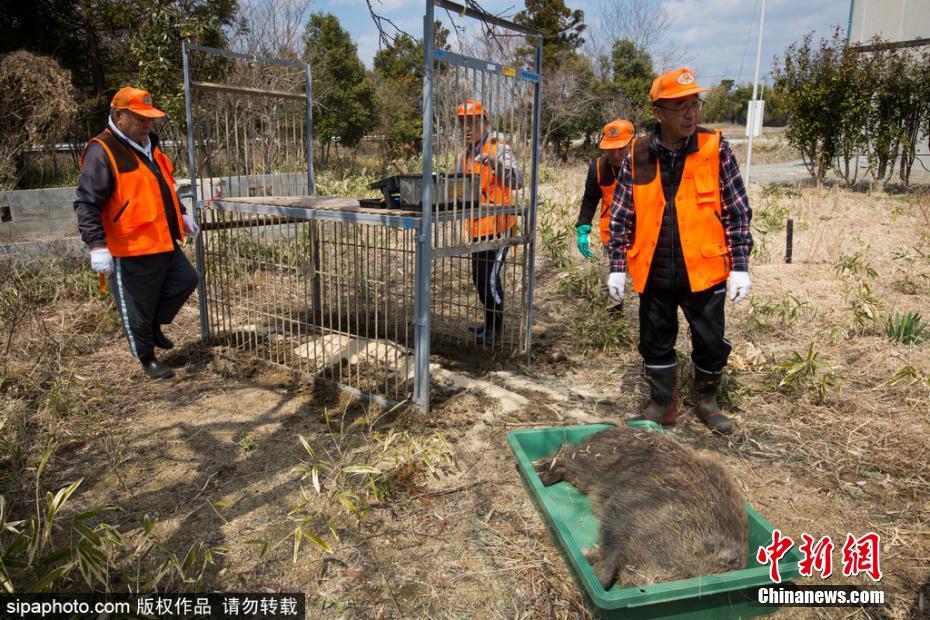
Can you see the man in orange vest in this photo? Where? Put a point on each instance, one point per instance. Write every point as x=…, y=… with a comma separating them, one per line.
x=679, y=225
x=487, y=154
x=599, y=191
x=130, y=217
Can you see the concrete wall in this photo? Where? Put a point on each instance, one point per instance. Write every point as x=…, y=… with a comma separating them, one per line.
x=251, y=186
x=42, y=221
x=37, y=214
x=22, y=252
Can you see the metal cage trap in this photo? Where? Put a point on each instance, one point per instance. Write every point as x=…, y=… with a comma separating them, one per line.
x=355, y=291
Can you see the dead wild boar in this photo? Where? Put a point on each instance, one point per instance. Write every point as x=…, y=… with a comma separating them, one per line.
x=666, y=513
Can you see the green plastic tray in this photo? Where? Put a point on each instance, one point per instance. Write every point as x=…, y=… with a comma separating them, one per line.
x=568, y=517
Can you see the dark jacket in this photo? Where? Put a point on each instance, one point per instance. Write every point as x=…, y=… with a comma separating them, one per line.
x=96, y=185
x=668, y=270
x=593, y=194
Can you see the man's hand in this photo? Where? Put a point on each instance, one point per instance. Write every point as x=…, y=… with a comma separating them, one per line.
x=504, y=166
x=190, y=226
x=583, y=246
x=101, y=261
x=501, y=162
x=738, y=286
x=616, y=282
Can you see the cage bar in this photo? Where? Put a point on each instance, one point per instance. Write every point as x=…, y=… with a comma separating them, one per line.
x=342, y=290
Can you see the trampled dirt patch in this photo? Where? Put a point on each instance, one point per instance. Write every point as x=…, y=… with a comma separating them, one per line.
x=447, y=529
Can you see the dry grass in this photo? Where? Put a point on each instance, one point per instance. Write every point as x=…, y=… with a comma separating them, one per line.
x=841, y=445
x=448, y=531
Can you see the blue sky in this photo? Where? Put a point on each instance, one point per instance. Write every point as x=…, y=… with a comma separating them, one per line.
x=719, y=35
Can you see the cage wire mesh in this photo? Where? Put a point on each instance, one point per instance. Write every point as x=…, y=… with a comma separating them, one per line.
x=303, y=282
x=350, y=292
x=481, y=142
x=481, y=234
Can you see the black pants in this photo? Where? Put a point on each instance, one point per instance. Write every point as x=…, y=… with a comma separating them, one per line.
x=150, y=289
x=704, y=311
x=486, y=268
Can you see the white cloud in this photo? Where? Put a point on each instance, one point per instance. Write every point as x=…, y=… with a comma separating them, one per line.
x=394, y=5
x=722, y=35
x=367, y=48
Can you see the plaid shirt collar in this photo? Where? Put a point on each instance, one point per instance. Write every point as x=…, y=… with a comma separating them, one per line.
x=656, y=147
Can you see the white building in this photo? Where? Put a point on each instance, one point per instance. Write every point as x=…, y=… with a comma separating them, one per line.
x=904, y=24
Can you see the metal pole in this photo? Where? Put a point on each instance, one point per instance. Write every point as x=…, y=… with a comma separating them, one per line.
x=755, y=87
x=316, y=294
x=310, y=188
x=531, y=233
x=789, y=240
x=192, y=172
x=421, y=377
x=315, y=288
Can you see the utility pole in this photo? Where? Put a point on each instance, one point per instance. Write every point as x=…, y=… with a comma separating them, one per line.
x=750, y=117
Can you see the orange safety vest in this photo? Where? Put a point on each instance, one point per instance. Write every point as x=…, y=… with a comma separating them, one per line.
x=134, y=217
x=697, y=204
x=607, y=198
x=492, y=192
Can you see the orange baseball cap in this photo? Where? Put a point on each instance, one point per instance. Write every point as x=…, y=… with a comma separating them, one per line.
x=471, y=108
x=617, y=134
x=135, y=100
x=675, y=84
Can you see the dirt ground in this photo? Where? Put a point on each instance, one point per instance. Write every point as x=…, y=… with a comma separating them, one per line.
x=445, y=529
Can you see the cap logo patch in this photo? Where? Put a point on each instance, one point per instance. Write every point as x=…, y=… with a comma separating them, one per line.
x=686, y=78
x=613, y=132
x=147, y=100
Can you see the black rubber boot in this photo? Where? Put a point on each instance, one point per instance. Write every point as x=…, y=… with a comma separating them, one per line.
x=490, y=334
x=706, y=385
x=159, y=339
x=663, y=395
x=493, y=328
x=155, y=369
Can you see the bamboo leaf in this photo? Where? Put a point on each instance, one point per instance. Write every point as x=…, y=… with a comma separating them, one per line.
x=43, y=462
x=346, y=502
x=49, y=579
x=297, y=535
x=361, y=469
x=259, y=541
x=316, y=540
x=315, y=478
x=191, y=556
x=87, y=533
x=307, y=447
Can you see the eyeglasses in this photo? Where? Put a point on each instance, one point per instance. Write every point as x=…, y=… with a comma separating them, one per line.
x=695, y=104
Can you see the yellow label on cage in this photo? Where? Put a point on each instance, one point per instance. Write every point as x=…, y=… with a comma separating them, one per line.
x=509, y=71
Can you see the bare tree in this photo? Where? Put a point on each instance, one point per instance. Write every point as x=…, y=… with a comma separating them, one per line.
x=640, y=21
x=272, y=27
x=643, y=22
x=388, y=30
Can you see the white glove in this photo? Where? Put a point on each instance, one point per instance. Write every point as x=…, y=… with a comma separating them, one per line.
x=190, y=226
x=738, y=286
x=503, y=157
x=101, y=260
x=616, y=282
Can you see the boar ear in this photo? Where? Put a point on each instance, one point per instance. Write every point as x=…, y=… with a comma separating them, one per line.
x=724, y=552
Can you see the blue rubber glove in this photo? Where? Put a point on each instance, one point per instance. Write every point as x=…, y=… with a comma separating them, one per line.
x=583, y=231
